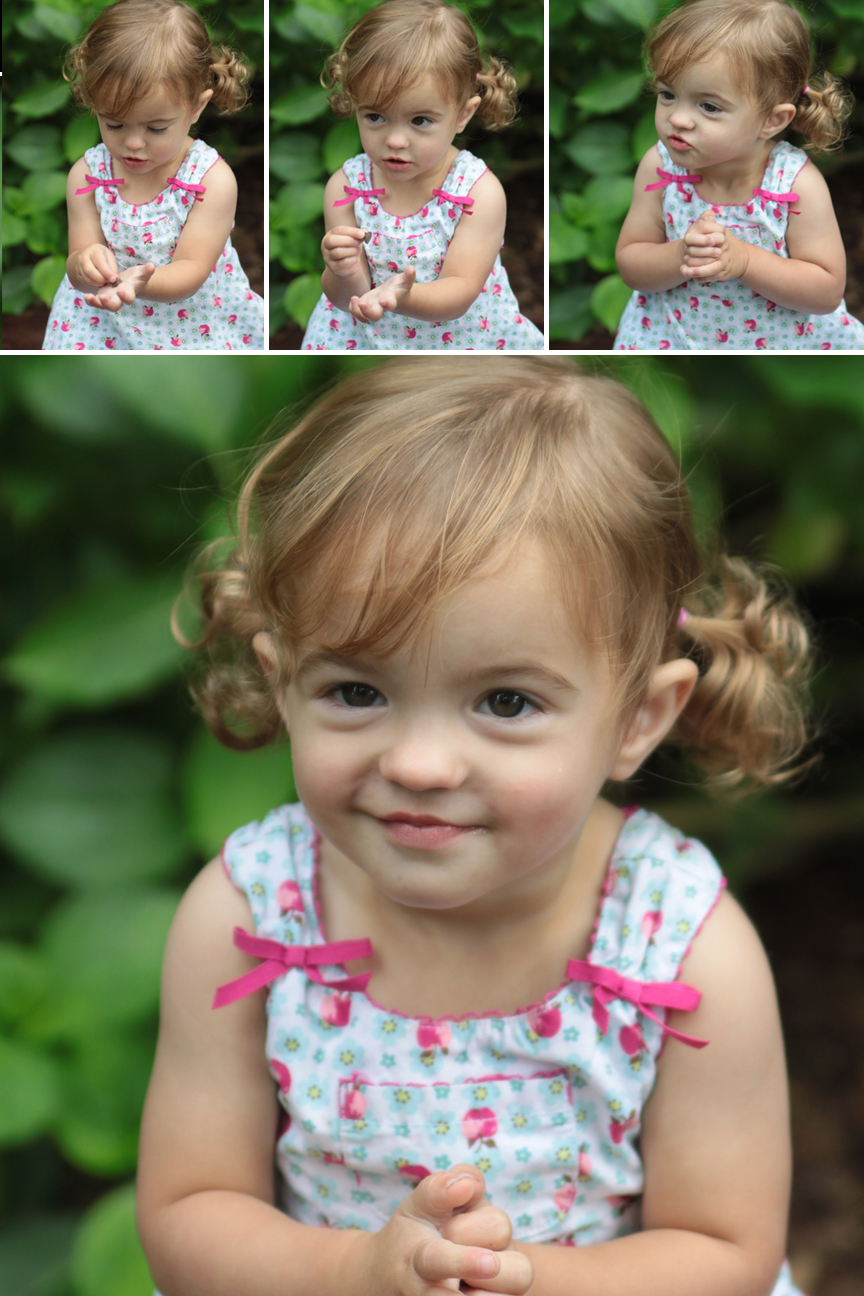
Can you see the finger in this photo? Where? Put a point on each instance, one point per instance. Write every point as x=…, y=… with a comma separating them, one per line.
x=485, y=1226
x=438, y=1196
x=435, y=1260
x=409, y=276
x=515, y=1276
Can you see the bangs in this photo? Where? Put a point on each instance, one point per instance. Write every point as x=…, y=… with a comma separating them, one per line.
x=391, y=72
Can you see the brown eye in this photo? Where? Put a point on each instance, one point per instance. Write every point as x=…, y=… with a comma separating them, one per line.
x=357, y=695
x=506, y=705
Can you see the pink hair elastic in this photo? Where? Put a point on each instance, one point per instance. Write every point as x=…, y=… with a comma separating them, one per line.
x=806, y=90
x=683, y=617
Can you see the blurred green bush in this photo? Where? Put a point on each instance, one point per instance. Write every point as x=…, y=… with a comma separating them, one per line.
x=112, y=793
x=601, y=123
x=308, y=143
x=45, y=130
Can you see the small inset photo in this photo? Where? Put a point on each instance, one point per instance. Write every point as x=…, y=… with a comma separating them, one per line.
x=706, y=176
x=133, y=206
x=407, y=176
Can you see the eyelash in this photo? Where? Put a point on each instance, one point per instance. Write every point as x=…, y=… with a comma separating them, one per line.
x=513, y=693
x=715, y=109
x=380, y=117
x=154, y=130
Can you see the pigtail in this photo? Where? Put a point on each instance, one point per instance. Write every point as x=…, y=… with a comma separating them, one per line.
x=230, y=76
x=497, y=87
x=333, y=77
x=822, y=112
x=746, y=721
x=229, y=686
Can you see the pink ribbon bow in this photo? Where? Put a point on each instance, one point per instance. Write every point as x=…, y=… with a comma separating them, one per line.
x=667, y=177
x=365, y=194
x=443, y=196
x=279, y=958
x=609, y=985
x=198, y=190
x=93, y=182
x=787, y=198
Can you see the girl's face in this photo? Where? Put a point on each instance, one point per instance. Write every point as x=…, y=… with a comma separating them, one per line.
x=413, y=135
x=152, y=134
x=704, y=119
x=455, y=768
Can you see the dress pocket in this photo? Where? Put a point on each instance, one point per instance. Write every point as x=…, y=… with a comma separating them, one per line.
x=519, y=1131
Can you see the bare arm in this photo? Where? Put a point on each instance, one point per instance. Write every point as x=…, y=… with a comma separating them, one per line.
x=90, y=262
x=202, y=241
x=715, y=1144
x=646, y=260
x=467, y=265
x=346, y=273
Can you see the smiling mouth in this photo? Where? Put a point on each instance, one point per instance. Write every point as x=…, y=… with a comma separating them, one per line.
x=423, y=832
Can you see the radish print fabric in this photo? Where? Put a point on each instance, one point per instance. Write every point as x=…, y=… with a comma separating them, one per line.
x=728, y=316
x=546, y=1102
x=223, y=315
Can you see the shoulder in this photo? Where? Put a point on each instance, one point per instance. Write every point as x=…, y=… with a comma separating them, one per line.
x=809, y=182
x=200, y=954
x=646, y=172
x=488, y=194
x=77, y=178
x=335, y=186
x=219, y=180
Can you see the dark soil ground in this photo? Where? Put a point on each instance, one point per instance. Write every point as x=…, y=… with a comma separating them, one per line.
x=25, y=332
x=847, y=192
x=522, y=255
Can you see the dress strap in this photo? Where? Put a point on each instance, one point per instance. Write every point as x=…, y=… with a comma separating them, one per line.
x=94, y=182
x=667, y=177
x=366, y=194
x=197, y=190
x=444, y=197
x=787, y=198
x=609, y=984
x=281, y=958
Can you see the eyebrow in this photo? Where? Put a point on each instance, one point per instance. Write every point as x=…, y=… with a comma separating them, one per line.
x=516, y=670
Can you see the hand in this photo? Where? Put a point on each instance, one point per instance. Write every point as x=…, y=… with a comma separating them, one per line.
x=410, y=1257
x=112, y=297
x=341, y=248
x=483, y=1225
x=712, y=252
x=388, y=296
x=94, y=265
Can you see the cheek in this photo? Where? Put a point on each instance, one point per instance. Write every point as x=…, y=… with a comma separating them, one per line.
x=325, y=766
x=546, y=795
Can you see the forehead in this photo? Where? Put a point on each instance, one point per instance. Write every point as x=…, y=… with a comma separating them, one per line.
x=713, y=76
x=424, y=95
x=156, y=106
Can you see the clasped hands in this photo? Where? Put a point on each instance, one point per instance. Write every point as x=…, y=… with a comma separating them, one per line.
x=712, y=252
x=112, y=288
x=446, y=1236
x=341, y=247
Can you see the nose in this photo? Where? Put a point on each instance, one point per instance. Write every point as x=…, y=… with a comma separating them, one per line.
x=423, y=757
x=681, y=117
x=396, y=138
x=134, y=140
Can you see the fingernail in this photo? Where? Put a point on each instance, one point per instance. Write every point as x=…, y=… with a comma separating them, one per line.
x=488, y=1265
x=458, y=1179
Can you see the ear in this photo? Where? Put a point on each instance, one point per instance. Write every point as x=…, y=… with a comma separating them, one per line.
x=467, y=113
x=668, y=693
x=265, y=651
x=777, y=120
x=204, y=99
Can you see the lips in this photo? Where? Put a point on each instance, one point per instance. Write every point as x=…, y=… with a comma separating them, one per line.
x=676, y=142
x=396, y=164
x=423, y=832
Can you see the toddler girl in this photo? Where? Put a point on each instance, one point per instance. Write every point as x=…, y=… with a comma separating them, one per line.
x=413, y=223
x=719, y=203
x=501, y=1012
x=151, y=210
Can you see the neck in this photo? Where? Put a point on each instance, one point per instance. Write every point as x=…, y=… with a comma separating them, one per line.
x=414, y=192
x=741, y=174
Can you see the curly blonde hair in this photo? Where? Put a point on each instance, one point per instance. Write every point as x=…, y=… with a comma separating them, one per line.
x=768, y=46
x=446, y=464
x=398, y=42
x=136, y=45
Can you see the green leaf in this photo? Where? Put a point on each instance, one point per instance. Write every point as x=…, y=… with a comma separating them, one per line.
x=528, y=24
x=570, y=313
x=609, y=92
x=64, y=25
x=566, y=243
x=303, y=104
x=87, y=412
x=34, y=1254
x=667, y=398
x=601, y=149
x=45, y=233
x=181, y=405
x=17, y=293
x=36, y=148
x=42, y=99
x=301, y=297
x=601, y=246
x=300, y=204
x=299, y=248
x=14, y=232
x=558, y=102
x=104, y=956
x=47, y=277
x=295, y=157
x=341, y=142
x=320, y=24
x=224, y=789
x=92, y=808
x=22, y=981
x=640, y=12
x=107, y=1259
x=106, y=642
x=809, y=544
x=600, y=12
x=42, y=191
x=605, y=199
x=608, y=300
x=28, y=1092
x=104, y=1084
x=644, y=136
x=80, y=134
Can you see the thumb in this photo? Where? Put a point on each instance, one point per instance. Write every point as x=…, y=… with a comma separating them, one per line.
x=439, y=1196
x=409, y=275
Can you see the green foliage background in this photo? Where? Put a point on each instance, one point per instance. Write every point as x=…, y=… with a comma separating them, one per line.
x=601, y=123
x=308, y=143
x=45, y=130
x=112, y=794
